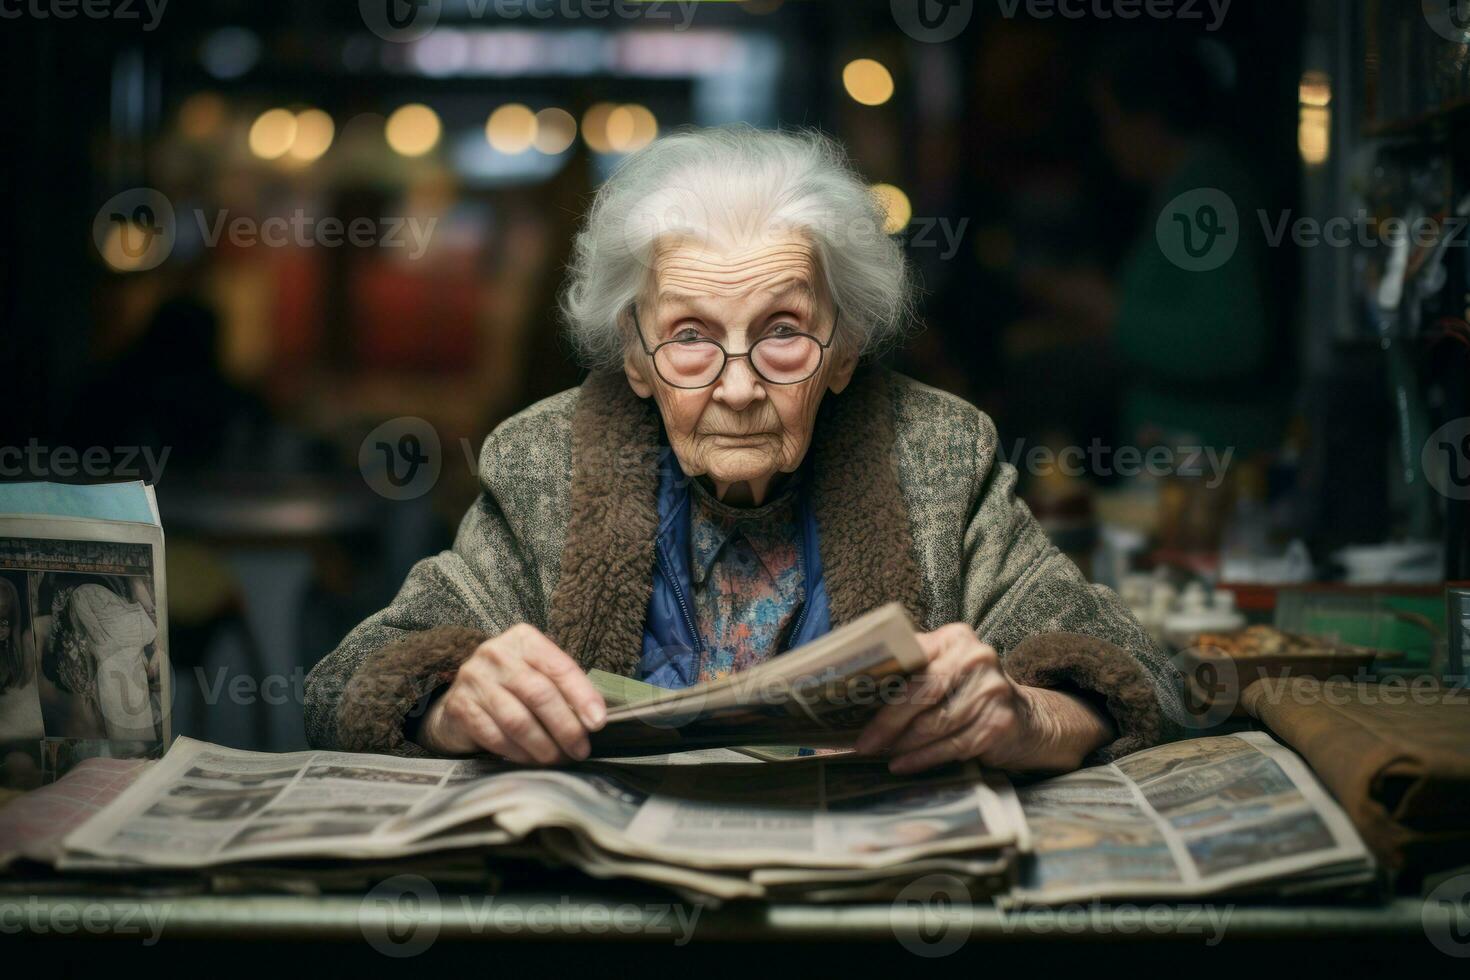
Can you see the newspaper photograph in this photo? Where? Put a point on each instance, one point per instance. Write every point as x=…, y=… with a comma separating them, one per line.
x=1184, y=818
x=83, y=645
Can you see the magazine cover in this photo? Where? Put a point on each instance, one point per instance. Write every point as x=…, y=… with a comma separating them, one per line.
x=84, y=669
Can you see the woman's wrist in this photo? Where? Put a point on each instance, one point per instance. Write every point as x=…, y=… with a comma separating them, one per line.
x=1065, y=729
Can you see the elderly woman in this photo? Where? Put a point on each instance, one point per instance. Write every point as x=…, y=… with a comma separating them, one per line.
x=732, y=481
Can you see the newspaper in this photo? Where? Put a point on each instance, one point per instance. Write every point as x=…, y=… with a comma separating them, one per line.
x=84, y=666
x=1182, y=819
x=818, y=694
x=1187, y=818
x=204, y=805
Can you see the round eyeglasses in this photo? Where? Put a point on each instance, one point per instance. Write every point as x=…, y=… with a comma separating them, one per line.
x=778, y=359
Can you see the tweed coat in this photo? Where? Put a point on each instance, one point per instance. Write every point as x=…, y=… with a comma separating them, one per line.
x=912, y=502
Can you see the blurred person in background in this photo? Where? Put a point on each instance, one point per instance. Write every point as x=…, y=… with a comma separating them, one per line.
x=1198, y=350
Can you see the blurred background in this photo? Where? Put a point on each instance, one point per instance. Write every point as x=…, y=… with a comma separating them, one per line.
x=260, y=252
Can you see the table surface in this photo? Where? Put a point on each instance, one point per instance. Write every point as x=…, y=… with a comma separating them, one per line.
x=523, y=916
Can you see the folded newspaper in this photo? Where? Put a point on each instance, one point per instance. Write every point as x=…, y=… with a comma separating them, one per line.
x=1229, y=813
x=818, y=694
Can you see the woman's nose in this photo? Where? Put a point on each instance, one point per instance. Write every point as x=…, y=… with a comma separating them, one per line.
x=739, y=385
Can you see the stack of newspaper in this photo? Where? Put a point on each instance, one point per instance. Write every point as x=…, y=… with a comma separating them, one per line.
x=742, y=817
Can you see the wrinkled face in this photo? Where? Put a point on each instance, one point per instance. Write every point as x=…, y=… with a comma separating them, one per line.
x=741, y=431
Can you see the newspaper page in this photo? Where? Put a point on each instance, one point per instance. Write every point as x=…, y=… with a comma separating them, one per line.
x=205, y=804
x=819, y=694
x=1184, y=818
x=33, y=826
x=811, y=813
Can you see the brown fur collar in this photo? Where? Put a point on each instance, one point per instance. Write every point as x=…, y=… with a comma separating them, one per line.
x=598, y=607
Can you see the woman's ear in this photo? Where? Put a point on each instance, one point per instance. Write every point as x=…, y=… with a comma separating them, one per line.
x=634, y=368
x=843, y=367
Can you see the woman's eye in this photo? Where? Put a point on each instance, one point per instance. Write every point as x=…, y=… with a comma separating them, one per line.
x=784, y=330
x=686, y=334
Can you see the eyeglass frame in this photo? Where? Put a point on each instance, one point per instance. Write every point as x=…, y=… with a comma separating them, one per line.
x=728, y=357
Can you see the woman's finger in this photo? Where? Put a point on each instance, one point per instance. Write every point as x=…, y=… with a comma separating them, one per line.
x=520, y=725
x=537, y=692
x=926, y=691
x=569, y=678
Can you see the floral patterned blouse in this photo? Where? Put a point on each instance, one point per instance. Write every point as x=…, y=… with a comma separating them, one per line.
x=748, y=578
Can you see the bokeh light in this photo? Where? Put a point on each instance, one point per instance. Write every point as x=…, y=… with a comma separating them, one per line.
x=413, y=129
x=555, y=130
x=511, y=128
x=314, y=131
x=202, y=115
x=867, y=81
x=272, y=133
x=896, y=207
x=594, y=126
x=630, y=128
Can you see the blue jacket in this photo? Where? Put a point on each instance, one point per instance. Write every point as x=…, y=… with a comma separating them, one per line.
x=671, y=641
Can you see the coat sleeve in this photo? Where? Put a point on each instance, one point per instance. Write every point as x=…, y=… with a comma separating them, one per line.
x=1051, y=627
x=359, y=696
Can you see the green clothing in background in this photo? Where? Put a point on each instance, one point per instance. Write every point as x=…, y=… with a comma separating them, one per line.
x=1197, y=345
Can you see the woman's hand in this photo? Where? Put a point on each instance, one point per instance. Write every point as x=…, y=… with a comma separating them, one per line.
x=519, y=696
x=963, y=706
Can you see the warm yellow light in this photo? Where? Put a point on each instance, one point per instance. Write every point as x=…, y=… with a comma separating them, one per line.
x=1314, y=133
x=630, y=128
x=272, y=133
x=594, y=126
x=511, y=128
x=201, y=115
x=130, y=247
x=413, y=130
x=555, y=130
x=314, y=131
x=1315, y=88
x=896, y=207
x=867, y=81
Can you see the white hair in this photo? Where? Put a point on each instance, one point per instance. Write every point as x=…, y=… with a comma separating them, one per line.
x=735, y=186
